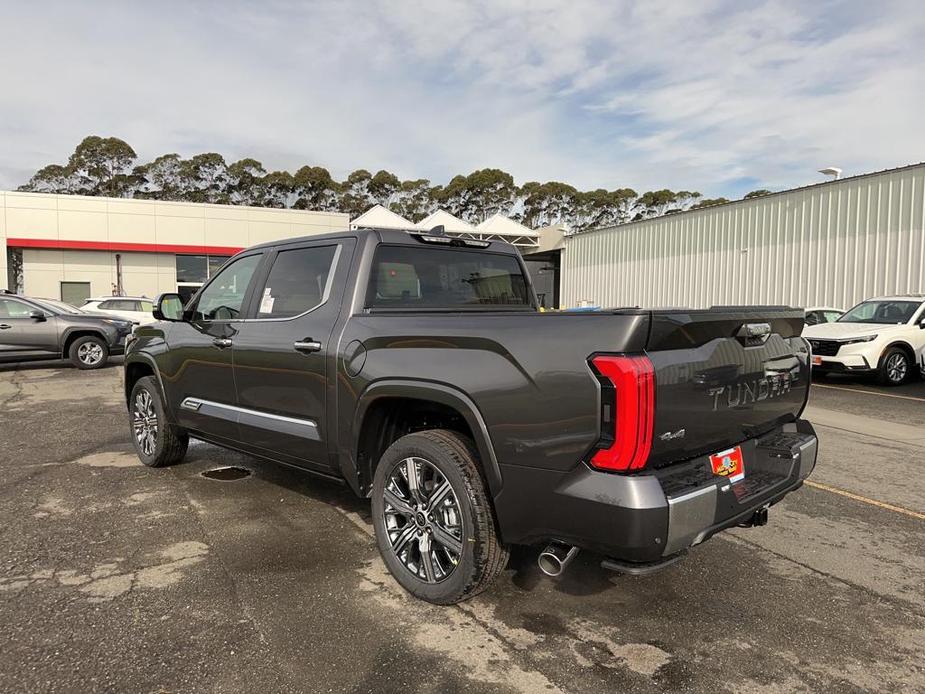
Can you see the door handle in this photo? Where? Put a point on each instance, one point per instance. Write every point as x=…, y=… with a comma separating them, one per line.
x=307, y=345
x=5, y=326
x=221, y=342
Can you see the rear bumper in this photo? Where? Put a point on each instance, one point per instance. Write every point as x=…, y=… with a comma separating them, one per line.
x=647, y=518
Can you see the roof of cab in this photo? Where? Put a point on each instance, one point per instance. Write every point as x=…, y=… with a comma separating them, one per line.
x=392, y=236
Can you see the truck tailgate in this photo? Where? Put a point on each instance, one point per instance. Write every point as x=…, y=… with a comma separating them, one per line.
x=723, y=376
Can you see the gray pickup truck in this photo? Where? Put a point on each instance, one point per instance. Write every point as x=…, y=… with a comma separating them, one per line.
x=417, y=369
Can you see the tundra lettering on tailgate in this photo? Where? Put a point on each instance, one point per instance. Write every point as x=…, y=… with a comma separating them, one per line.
x=755, y=390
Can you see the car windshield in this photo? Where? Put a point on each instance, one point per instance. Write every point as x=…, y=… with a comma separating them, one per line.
x=882, y=311
x=57, y=306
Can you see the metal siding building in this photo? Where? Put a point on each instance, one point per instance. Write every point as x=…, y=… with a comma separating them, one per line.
x=831, y=244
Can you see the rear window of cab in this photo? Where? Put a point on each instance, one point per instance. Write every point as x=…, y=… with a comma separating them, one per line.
x=440, y=278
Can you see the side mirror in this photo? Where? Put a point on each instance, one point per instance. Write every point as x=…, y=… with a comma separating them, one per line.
x=922, y=324
x=38, y=316
x=169, y=307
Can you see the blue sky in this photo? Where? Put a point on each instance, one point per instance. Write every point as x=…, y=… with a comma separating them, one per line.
x=716, y=96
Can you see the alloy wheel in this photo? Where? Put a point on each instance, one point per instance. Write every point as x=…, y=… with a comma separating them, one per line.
x=144, y=422
x=90, y=353
x=896, y=367
x=423, y=520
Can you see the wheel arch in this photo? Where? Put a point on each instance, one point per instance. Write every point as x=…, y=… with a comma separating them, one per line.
x=137, y=366
x=75, y=333
x=378, y=422
x=904, y=346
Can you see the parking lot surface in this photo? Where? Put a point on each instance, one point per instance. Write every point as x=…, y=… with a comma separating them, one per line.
x=115, y=577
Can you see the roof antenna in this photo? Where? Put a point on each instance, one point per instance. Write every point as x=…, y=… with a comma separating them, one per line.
x=437, y=230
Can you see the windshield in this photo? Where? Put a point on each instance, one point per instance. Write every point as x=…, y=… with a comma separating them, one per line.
x=890, y=311
x=56, y=306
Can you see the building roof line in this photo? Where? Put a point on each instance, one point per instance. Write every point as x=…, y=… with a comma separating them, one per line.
x=744, y=200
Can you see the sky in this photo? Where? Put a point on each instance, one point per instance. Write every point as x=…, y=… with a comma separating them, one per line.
x=716, y=96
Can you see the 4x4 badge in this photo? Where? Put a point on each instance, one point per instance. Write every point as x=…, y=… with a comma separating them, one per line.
x=669, y=435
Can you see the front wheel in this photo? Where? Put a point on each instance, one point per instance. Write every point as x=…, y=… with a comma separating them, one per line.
x=157, y=442
x=434, y=522
x=894, y=367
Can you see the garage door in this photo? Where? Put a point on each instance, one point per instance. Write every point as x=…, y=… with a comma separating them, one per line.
x=75, y=293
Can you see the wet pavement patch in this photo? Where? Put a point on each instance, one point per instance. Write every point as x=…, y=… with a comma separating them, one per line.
x=227, y=474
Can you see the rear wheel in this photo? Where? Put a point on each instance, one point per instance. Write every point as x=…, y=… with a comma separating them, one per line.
x=894, y=367
x=89, y=352
x=434, y=522
x=157, y=442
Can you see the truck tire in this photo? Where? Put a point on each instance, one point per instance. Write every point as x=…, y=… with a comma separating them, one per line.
x=893, y=369
x=435, y=525
x=157, y=442
x=89, y=352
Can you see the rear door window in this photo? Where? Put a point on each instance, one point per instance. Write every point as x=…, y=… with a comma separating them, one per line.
x=298, y=282
x=411, y=277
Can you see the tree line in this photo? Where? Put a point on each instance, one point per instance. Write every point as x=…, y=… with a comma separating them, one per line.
x=109, y=166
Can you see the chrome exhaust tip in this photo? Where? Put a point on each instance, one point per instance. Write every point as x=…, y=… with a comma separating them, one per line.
x=555, y=558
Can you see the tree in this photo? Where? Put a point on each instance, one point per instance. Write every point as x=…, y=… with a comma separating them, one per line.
x=245, y=182
x=479, y=195
x=548, y=203
x=757, y=193
x=709, y=202
x=53, y=178
x=279, y=190
x=206, y=178
x=383, y=187
x=355, y=197
x=162, y=178
x=102, y=166
x=314, y=189
x=414, y=200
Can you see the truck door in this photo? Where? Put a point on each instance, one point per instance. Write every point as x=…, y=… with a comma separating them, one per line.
x=282, y=369
x=197, y=370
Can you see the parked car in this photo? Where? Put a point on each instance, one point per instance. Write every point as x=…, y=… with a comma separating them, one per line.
x=882, y=336
x=49, y=329
x=822, y=314
x=138, y=309
x=418, y=369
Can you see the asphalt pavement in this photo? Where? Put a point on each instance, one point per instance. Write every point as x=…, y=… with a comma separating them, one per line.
x=116, y=577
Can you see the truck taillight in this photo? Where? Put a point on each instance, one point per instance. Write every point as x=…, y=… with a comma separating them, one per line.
x=628, y=410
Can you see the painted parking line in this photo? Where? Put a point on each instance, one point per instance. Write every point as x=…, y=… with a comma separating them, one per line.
x=870, y=392
x=864, y=499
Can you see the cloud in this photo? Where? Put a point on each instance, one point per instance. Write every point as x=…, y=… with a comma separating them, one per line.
x=710, y=96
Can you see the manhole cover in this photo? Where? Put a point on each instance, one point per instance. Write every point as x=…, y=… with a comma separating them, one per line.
x=226, y=474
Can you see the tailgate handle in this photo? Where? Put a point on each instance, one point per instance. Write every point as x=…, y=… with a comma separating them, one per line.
x=754, y=333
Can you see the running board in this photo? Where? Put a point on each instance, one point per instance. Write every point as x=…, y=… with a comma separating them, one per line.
x=634, y=569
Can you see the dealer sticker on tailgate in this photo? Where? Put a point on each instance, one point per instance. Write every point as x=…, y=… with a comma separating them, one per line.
x=729, y=464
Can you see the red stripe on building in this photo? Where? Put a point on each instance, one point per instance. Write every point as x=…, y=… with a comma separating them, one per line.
x=123, y=246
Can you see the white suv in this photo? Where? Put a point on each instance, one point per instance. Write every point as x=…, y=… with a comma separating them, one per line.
x=885, y=336
x=138, y=309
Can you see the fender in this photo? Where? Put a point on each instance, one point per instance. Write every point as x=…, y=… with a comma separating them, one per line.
x=445, y=395
x=148, y=360
x=77, y=328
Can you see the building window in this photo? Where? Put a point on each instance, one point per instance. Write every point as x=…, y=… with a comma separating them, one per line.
x=192, y=268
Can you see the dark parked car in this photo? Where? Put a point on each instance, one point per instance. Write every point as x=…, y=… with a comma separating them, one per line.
x=49, y=329
x=418, y=369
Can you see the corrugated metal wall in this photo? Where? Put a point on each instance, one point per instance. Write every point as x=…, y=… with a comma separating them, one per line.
x=832, y=244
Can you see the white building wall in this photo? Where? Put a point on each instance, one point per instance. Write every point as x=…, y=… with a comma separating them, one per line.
x=831, y=244
x=143, y=274
x=41, y=223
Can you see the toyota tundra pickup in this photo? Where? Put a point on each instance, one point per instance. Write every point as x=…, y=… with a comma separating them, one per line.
x=417, y=369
